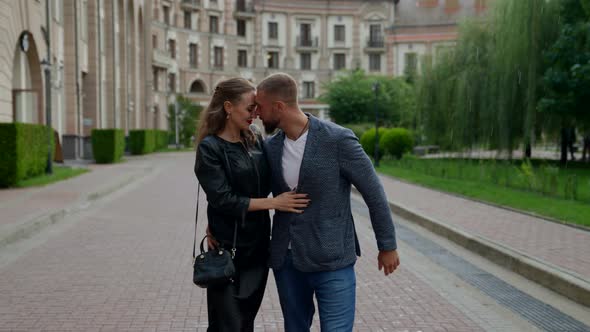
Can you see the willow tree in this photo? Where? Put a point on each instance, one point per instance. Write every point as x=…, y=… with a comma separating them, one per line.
x=521, y=31
x=488, y=88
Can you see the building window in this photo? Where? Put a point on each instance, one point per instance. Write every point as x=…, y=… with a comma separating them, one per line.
x=241, y=28
x=411, y=62
x=155, y=80
x=308, y=90
x=156, y=13
x=197, y=87
x=339, y=61
x=242, y=58
x=193, y=51
x=213, y=24
x=375, y=36
x=154, y=41
x=305, y=59
x=166, y=11
x=375, y=62
x=172, y=82
x=218, y=57
x=188, y=20
x=339, y=33
x=273, y=30
x=273, y=59
x=172, y=48
x=305, y=34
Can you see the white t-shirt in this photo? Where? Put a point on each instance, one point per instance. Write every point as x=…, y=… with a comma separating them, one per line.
x=292, y=156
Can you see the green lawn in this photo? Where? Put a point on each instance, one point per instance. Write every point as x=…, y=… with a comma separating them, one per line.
x=59, y=173
x=567, y=210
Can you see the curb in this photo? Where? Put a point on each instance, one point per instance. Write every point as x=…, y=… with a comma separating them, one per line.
x=552, y=277
x=31, y=227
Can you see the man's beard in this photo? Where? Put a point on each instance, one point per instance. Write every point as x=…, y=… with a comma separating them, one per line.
x=270, y=127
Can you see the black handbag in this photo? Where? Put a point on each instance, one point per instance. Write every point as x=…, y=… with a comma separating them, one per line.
x=213, y=267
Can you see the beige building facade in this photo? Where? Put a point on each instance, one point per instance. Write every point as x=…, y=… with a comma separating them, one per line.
x=119, y=63
x=98, y=63
x=197, y=43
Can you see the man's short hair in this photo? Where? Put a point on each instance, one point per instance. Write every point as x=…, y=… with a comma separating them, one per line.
x=280, y=85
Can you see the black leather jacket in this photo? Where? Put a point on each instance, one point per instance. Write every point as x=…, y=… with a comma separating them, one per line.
x=230, y=175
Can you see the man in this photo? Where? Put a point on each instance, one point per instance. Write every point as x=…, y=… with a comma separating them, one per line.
x=314, y=252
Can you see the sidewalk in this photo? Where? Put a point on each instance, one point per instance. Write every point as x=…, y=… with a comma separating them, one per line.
x=25, y=211
x=554, y=255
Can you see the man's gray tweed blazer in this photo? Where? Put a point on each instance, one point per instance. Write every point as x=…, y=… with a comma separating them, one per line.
x=323, y=237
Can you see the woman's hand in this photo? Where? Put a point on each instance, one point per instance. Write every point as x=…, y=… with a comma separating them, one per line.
x=211, y=242
x=290, y=201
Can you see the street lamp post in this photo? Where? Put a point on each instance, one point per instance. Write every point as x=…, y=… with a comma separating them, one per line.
x=376, y=89
x=47, y=69
x=46, y=63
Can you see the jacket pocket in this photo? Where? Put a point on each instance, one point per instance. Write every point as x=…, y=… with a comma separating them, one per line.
x=329, y=239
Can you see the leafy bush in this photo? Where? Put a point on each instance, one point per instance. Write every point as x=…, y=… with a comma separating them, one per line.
x=397, y=141
x=368, y=141
x=23, y=147
x=108, y=145
x=359, y=128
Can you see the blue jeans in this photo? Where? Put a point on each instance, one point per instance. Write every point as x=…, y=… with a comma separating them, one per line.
x=335, y=293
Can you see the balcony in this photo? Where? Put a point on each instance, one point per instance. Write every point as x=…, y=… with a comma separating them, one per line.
x=307, y=44
x=244, y=9
x=375, y=44
x=162, y=58
x=191, y=4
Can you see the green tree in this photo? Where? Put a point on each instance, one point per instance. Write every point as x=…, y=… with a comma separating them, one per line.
x=567, y=78
x=352, y=99
x=486, y=91
x=188, y=115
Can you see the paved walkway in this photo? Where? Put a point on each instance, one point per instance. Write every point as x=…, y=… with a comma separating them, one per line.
x=565, y=247
x=123, y=264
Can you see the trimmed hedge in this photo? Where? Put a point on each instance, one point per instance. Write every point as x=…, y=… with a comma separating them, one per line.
x=396, y=142
x=161, y=139
x=368, y=142
x=23, y=147
x=108, y=145
x=142, y=141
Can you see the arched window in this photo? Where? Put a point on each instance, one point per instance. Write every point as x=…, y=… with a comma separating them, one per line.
x=197, y=87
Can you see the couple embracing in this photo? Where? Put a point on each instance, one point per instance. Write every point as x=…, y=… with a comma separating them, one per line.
x=309, y=166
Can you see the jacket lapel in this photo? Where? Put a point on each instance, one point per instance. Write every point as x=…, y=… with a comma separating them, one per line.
x=311, y=146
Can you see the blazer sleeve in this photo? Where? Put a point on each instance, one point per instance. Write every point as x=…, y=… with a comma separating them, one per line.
x=209, y=169
x=356, y=166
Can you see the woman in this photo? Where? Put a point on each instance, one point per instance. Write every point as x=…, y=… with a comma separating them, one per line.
x=232, y=169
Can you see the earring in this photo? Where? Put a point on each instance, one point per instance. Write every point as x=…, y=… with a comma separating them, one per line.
x=228, y=115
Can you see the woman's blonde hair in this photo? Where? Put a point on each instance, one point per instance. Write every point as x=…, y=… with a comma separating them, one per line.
x=213, y=118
